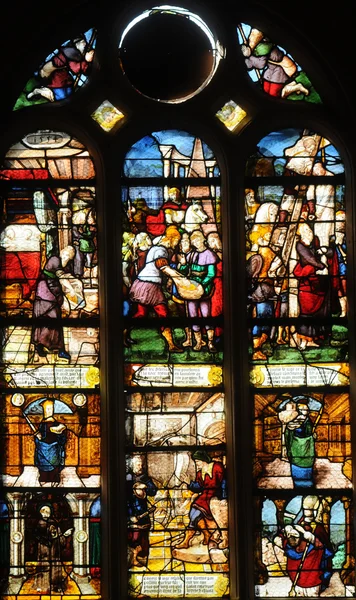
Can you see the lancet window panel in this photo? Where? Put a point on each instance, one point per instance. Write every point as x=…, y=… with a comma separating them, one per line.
x=51, y=430
x=296, y=263
x=173, y=356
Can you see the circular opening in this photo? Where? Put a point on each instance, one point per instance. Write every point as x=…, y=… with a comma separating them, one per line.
x=169, y=54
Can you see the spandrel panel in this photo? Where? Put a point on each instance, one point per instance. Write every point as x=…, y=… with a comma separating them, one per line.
x=302, y=440
x=62, y=72
x=273, y=69
x=181, y=418
x=51, y=543
x=304, y=546
x=48, y=252
x=71, y=362
x=51, y=439
x=181, y=547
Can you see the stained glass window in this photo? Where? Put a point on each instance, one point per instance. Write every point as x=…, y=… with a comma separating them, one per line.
x=208, y=452
x=296, y=259
x=50, y=434
x=175, y=413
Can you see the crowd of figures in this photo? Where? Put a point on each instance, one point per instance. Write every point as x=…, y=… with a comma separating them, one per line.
x=172, y=266
x=202, y=500
x=53, y=264
x=296, y=255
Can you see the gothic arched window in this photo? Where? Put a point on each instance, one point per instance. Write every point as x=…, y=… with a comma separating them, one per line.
x=185, y=173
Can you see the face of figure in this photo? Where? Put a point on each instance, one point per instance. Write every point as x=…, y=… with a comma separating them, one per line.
x=303, y=410
x=45, y=512
x=250, y=198
x=174, y=241
x=198, y=240
x=308, y=513
x=81, y=44
x=142, y=241
x=214, y=241
x=293, y=540
x=174, y=195
x=67, y=254
x=137, y=465
x=306, y=234
x=140, y=491
x=185, y=243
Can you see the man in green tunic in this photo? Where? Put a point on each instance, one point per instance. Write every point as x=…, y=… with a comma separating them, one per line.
x=300, y=445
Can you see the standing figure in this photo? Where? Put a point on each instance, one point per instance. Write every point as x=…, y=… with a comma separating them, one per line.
x=309, y=551
x=214, y=243
x=49, y=298
x=209, y=483
x=139, y=487
x=61, y=73
x=50, y=441
x=171, y=213
x=138, y=212
x=340, y=250
x=300, y=445
x=313, y=287
x=200, y=266
x=84, y=238
x=261, y=292
x=321, y=203
x=147, y=290
x=50, y=539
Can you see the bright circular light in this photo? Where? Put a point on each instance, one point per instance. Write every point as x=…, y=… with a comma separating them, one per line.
x=215, y=48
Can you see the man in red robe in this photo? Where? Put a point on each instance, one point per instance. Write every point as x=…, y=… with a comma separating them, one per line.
x=209, y=483
x=309, y=552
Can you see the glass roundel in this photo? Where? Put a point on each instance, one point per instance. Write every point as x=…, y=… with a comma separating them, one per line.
x=178, y=49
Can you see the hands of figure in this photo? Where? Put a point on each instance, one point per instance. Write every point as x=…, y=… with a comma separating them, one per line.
x=68, y=532
x=246, y=50
x=89, y=56
x=133, y=519
x=307, y=535
x=161, y=262
x=53, y=531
